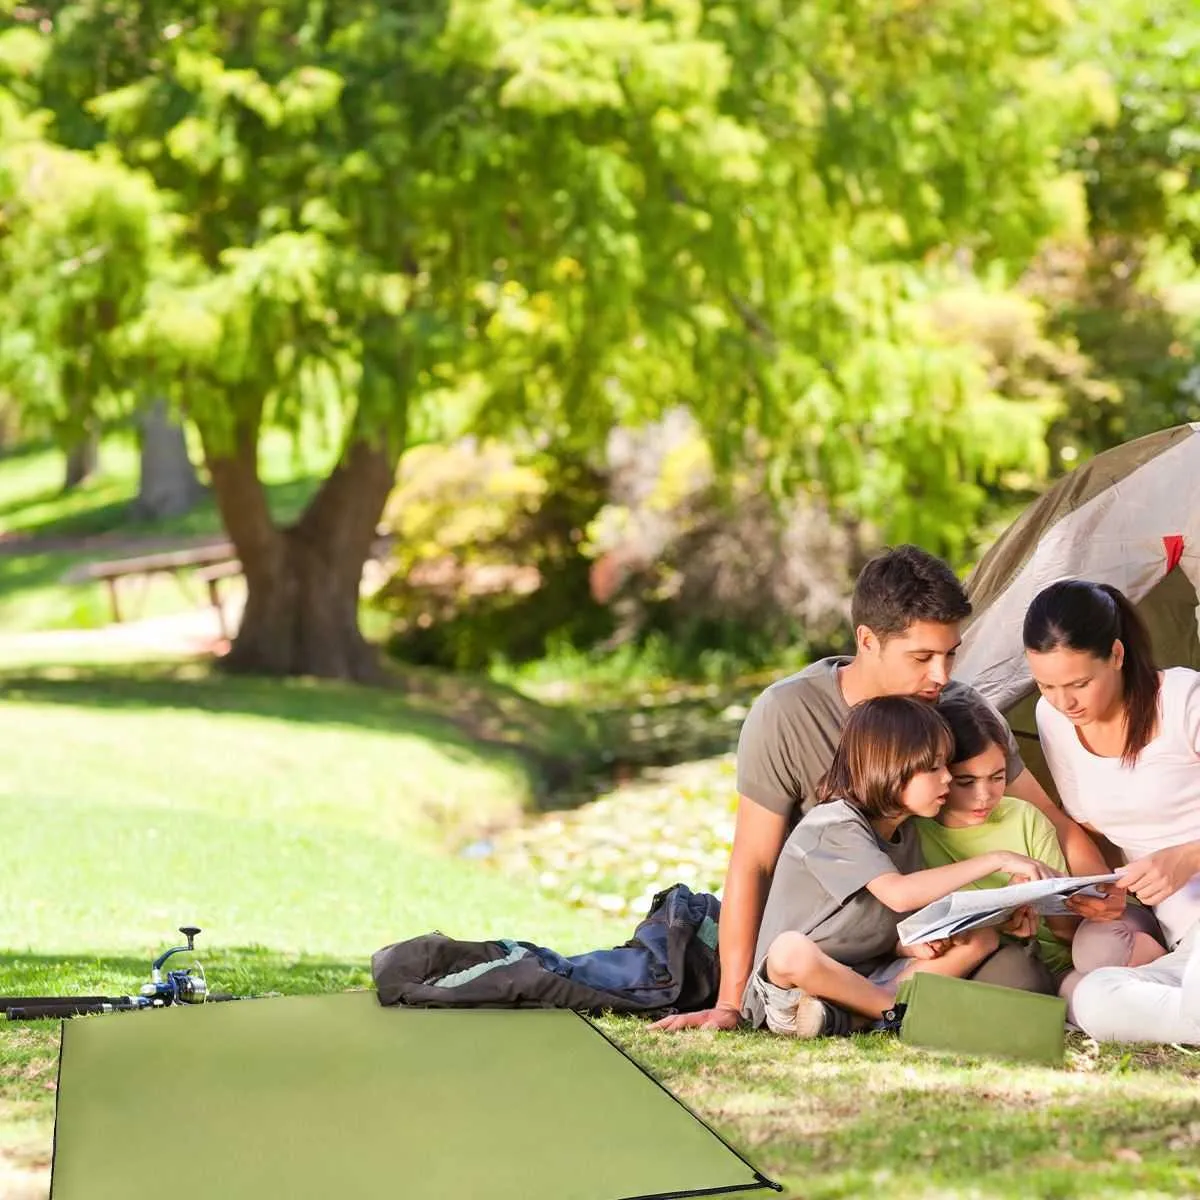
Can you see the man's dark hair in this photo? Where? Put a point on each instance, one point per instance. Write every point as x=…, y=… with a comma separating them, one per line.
x=904, y=585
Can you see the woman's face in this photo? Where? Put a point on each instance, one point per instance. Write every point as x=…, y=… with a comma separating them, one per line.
x=976, y=787
x=1081, y=686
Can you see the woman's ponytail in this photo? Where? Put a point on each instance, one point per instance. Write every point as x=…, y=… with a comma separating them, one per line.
x=1139, y=673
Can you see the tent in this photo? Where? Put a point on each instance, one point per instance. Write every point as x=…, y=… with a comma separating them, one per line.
x=1129, y=517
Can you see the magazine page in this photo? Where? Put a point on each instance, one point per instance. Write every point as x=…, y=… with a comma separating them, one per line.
x=975, y=907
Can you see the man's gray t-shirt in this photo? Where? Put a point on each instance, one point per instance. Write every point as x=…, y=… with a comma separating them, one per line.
x=820, y=890
x=793, y=728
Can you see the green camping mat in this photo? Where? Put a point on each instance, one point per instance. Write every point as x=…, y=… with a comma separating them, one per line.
x=964, y=1016
x=336, y=1096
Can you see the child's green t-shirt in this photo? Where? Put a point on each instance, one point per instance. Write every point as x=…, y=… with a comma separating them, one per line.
x=1012, y=825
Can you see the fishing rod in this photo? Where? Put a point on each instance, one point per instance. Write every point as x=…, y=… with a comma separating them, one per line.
x=180, y=985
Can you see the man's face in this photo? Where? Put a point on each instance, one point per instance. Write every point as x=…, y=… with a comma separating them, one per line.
x=917, y=662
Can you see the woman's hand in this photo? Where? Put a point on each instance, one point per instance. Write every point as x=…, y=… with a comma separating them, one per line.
x=1022, y=924
x=1020, y=867
x=1107, y=907
x=1161, y=874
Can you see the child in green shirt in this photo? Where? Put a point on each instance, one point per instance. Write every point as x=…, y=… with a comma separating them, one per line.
x=978, y=818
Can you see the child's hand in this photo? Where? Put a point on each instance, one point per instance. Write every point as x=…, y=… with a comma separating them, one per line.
x=1107, y=907
x=925, y=950
x=1022, y=924
x=1019, y=866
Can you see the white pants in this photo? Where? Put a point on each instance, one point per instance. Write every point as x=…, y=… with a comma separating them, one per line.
x=1159, y=1002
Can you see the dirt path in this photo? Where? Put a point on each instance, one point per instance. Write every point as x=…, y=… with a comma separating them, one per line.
x=196, y=631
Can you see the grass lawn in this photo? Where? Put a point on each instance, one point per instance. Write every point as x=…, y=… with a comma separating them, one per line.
x=302, y=826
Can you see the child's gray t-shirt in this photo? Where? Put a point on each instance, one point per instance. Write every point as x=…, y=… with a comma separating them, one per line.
x=820, y=887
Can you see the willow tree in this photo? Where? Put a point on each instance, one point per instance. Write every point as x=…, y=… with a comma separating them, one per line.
x=492, y=215
x=80, y=237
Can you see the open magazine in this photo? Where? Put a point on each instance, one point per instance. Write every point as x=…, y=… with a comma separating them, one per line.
x=976, y=907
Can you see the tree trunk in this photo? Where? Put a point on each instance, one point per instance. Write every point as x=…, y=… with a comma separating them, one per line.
x=168, y=486
x=82, y=460
x=302, y=583
x=301, y=615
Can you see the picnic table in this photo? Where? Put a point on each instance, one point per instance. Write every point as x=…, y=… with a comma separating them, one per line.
x=211, y=563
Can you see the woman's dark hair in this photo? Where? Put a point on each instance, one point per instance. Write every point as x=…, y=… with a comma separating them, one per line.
x=885, y=743
x=974, y=725
x=1075, y=614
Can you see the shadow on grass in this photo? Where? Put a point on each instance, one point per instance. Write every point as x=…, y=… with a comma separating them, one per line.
x=572, y=753
x=240, y=971
x=115, y=520
x=89, y=522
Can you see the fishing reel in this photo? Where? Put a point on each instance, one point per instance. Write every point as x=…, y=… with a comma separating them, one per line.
x=186, y=985
x=178, y=985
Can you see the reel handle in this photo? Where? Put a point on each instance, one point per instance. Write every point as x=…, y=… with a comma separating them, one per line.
x=189, y=932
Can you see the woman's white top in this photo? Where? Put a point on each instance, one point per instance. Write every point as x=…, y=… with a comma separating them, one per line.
x=1147, y=807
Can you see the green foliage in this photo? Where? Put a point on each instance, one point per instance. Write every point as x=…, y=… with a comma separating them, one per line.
x=544, y=220
x=1142, y=166
x=486, y=560
x=1134, y=310
x=82, y=235
x=604, y=210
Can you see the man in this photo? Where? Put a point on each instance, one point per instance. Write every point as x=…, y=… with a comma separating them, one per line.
x=906, y=611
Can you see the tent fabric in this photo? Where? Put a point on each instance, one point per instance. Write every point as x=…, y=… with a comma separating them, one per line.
x=320, y=1096
x=1129, y=517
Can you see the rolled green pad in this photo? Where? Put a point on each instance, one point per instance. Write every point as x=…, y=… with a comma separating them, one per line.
x=963, y=1016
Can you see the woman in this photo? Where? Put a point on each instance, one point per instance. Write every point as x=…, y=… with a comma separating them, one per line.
x=1122, y=740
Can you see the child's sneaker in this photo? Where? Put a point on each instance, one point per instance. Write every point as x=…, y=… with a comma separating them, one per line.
x=812, y=1018
x=794, y=1013
x=891, y=1020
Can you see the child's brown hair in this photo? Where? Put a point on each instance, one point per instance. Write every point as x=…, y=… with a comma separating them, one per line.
x=885, y=743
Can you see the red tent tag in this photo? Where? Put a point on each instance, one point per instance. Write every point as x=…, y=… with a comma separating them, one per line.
x=1173, y=545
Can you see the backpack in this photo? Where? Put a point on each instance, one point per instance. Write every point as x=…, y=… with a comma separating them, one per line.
x=670, y=964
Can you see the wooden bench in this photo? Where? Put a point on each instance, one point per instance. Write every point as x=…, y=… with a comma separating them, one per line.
x=213, y=562
x=211, y=576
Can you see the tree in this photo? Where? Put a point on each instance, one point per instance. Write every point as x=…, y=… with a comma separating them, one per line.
x=167, y=483
x=484, y=214
x=1142, y=163
x=1134, y=310
x=78, y=241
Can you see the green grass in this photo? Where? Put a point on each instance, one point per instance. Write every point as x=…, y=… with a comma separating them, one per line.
x=872, y=1117
x=301, y=826
x=93, y=522
x=304, y=825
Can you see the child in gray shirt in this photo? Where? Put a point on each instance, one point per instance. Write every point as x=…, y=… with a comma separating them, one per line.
x=852, y=869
